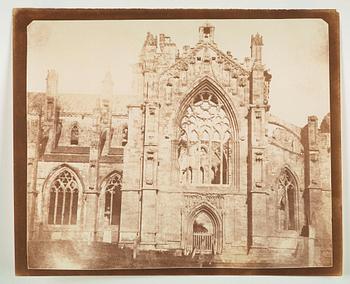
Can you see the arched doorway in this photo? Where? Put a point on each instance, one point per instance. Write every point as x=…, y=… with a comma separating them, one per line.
x=206, y=160
x=203, y=233
x=204, y=230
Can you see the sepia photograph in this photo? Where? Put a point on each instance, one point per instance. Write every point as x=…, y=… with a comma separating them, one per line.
x=178, y=143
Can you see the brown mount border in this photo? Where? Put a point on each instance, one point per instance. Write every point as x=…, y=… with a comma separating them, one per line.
x=23, y=17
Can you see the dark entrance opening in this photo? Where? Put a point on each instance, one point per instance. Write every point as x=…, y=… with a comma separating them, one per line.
x=203, y=234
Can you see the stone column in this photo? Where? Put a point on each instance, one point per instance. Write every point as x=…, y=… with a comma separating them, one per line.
x=52, y=99
x=149, y=226
x=313, y=192
x=91, y=195
x=91, y=192
x=132, y=175
x=257, y=142
x=32, y=170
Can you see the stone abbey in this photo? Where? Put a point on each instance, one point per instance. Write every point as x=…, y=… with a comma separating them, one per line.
x=197, y=161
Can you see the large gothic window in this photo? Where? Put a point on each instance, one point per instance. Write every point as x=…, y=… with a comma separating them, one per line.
x=112, y=200
x=287, y=200
x=63, y=200
x=204, y=144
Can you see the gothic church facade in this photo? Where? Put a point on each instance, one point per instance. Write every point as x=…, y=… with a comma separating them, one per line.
x=197, y=162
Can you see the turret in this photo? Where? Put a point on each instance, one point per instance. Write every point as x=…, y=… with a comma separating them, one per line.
x=149, y=52
x=206, y=33
x=51, y=124
x=256, y=44
x=51, y=94
x=168, y=49
x=51, y=83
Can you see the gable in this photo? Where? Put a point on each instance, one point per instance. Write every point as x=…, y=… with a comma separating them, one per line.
x=207, y=54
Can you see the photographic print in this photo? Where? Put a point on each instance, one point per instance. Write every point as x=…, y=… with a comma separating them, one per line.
x=178, y=143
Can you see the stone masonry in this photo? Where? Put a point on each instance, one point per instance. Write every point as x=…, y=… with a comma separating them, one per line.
x=197, y=161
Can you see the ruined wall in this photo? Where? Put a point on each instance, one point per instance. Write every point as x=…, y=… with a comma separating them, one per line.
x=90, y=159
x=285, y=153
x=250, y=210
x=168, y=89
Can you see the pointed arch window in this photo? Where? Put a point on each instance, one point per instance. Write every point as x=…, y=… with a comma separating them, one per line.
x=287, y=200
x=205, y=140
x=63, y=199
x=112, y=200
x=74, y=135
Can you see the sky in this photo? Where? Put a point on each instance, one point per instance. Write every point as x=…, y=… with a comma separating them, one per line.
x=82, y=52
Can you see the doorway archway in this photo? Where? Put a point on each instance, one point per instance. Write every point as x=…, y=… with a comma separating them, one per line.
x=203, y=233
x=204, y=230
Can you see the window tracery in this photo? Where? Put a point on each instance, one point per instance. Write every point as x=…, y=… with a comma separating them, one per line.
x=287, y=200
x=205, y=142
x=112, y=200
x=63, y=200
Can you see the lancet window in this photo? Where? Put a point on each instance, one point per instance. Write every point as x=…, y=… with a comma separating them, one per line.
x=112, y=200
x=287, y=200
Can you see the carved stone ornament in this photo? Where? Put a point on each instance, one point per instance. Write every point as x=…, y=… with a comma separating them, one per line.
x=314, y=157
x=242, y=81
x=258, y=156
x=149, y=168
x=192, y=200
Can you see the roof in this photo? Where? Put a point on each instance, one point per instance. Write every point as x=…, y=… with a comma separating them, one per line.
x=78, y=103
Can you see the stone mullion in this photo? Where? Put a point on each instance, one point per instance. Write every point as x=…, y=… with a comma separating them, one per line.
x=188, y=158
x=210, y=160
x=55, y=206
x=200, y=176
x=111, y=207
x=70, y=207
x=286, y=208
x=296, y=207
x=221, y=165
x=235, y=163
x=63, y=205
x=198, y=171
x=228, y=162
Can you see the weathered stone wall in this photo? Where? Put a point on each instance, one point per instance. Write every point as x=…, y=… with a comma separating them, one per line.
x=157, y=210
x=132, y=177
x=80, y=231
x=322, y=202
x=84, y=125
x=280, y=238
